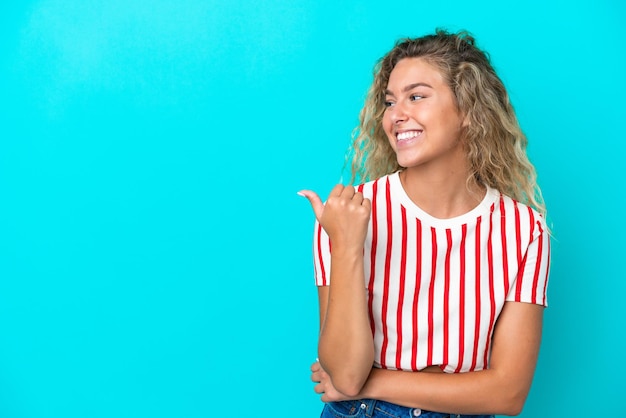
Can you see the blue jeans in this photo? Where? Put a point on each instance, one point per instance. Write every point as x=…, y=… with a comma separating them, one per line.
x=366, y=408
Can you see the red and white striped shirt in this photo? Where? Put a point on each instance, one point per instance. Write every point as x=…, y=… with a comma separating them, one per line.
x=435, y=287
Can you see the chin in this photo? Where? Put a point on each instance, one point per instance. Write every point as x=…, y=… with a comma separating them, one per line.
x=404, y=164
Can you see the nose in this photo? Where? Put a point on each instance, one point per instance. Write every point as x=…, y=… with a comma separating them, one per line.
x=398, y=114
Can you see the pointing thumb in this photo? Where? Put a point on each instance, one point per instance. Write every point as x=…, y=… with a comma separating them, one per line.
x=316, y=202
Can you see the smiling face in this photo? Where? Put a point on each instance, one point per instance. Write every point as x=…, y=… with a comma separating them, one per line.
x=421, y=119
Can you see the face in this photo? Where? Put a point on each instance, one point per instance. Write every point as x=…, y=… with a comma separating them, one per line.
x=421, y=118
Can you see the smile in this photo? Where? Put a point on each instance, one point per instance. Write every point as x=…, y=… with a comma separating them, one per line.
x=404, y=136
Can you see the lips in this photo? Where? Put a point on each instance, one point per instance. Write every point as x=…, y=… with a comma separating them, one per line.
x=406, y=136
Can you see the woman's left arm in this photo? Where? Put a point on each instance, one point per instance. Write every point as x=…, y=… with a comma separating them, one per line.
x=502, y=389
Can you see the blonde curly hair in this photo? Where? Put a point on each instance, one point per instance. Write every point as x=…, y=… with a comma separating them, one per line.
x=493, y=139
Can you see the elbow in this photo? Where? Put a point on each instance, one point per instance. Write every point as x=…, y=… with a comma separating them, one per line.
x=516, y=406
x=349, y=385
x=349, y=375
x=512, y=410
x=513, y=404
x=348, y=379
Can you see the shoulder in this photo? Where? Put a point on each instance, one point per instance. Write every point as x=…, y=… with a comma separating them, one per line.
x=377, y=186
x=521, y=215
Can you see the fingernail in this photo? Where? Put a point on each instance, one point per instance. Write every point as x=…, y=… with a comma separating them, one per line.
x=300, y=194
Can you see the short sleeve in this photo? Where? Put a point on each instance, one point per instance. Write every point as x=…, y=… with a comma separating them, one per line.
x=321, y=256
x=531, y=282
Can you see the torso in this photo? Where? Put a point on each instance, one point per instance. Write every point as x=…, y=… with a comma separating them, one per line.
x=436, y=286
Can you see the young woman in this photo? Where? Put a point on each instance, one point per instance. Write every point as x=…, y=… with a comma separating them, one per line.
x=432, y=296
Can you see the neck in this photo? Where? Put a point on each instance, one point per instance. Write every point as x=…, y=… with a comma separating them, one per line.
x=444, y=194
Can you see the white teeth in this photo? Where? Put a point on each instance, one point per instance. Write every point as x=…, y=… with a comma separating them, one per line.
x=408, y=135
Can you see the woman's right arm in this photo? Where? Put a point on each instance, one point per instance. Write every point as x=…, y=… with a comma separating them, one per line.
x=346, y=347
x=500, y=389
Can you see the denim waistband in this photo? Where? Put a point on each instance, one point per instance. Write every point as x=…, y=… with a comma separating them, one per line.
x=371, y=405
x=376, y=408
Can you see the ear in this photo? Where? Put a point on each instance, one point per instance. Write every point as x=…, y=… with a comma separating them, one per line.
x=466, y=121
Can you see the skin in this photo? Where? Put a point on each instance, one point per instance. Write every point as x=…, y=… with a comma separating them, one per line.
x=423, y=124
x=419, y=101
x=346, y=347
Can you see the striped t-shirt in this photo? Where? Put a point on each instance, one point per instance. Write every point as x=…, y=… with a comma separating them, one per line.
x=435, y=287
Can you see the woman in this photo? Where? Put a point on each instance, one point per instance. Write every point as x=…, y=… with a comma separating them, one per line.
x=432, y=297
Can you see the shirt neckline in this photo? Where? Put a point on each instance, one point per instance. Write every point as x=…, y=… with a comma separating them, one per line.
x=483, y=208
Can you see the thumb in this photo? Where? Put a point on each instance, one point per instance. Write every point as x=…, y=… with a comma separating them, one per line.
x=316, y=202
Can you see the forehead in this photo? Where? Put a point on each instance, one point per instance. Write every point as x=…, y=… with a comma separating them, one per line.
x=414, y=70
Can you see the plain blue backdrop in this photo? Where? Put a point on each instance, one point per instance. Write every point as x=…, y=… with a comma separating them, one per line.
x=155, y=260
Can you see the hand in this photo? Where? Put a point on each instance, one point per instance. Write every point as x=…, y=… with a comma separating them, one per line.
x=344, y=217
x=325, y=385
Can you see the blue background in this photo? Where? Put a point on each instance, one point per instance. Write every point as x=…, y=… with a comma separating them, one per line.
x=155, y=260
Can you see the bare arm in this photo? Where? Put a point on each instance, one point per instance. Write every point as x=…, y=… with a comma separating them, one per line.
x=346, y=347
x=502, y=389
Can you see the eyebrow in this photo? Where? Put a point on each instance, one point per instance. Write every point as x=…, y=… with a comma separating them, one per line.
x=409, y=87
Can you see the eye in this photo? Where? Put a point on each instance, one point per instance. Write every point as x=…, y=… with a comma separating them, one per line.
x=388, y=103
x=415, y=97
